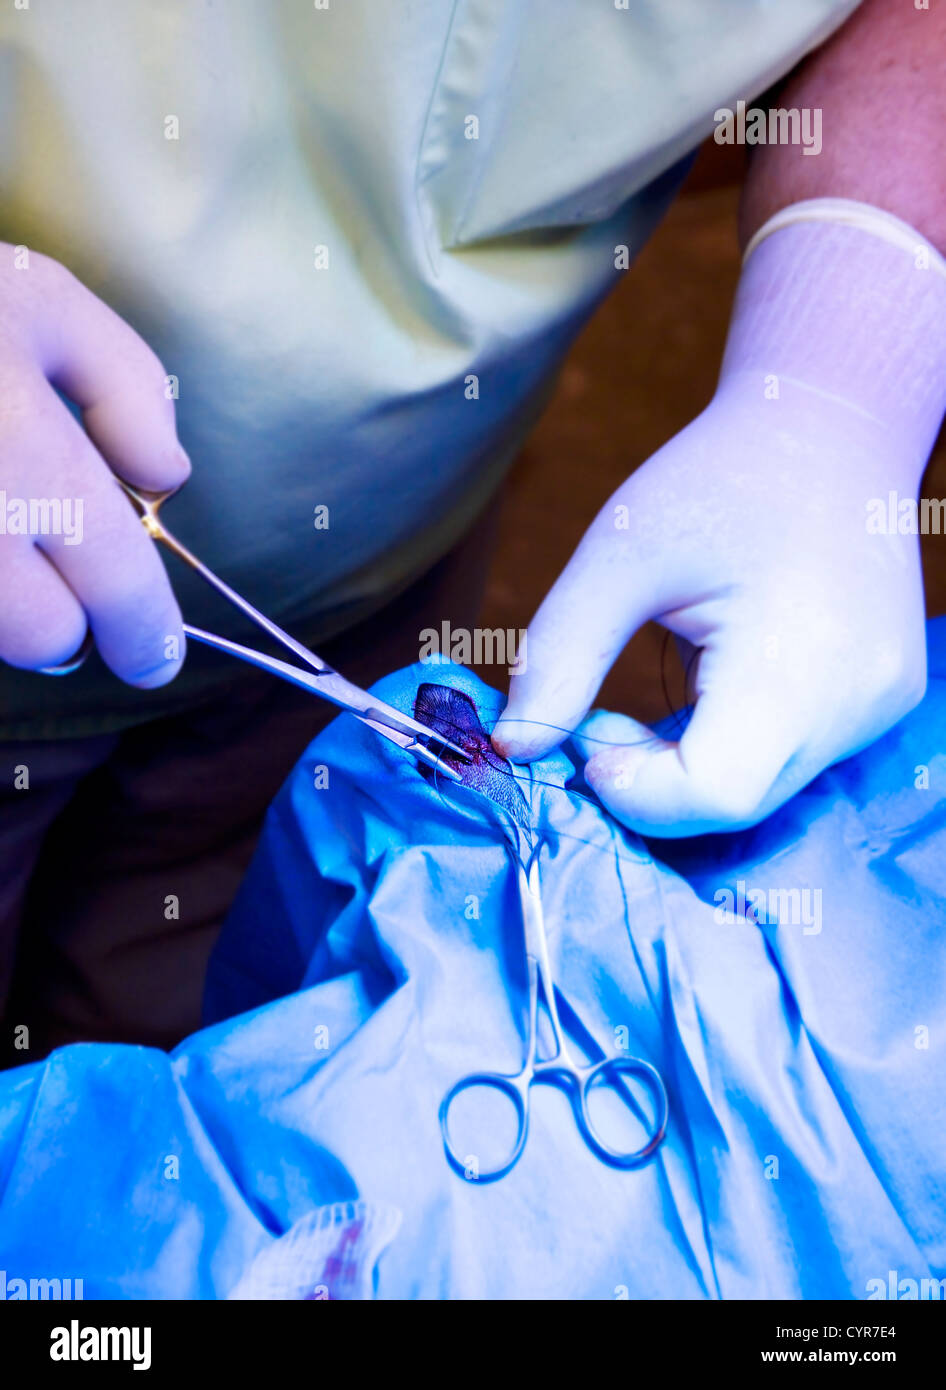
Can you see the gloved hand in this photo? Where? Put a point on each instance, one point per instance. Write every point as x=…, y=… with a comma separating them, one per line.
x=752, y=535
x=105, y=571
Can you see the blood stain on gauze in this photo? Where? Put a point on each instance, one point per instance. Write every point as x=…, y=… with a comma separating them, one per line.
x=453, y=714
x=340, y=1274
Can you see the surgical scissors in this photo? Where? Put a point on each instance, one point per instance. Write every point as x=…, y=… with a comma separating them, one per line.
x=321, y=679
x=557, y=1068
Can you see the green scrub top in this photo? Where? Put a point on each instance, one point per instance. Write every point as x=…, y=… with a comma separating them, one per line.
x=361, y=236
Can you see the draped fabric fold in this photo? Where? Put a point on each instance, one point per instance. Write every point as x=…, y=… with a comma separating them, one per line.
x=788, y=982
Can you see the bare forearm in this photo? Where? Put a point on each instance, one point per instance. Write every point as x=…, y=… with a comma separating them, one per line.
x=881, y=85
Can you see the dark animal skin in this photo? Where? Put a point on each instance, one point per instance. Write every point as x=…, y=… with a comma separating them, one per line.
x=453, y=714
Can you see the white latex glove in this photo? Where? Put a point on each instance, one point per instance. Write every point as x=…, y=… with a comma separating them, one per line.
x=750, y=534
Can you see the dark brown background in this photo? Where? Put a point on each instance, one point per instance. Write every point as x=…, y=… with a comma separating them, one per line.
x=645, y=365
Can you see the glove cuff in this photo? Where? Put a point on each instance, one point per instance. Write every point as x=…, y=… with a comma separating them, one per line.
x=850, y=213
x=842, y=300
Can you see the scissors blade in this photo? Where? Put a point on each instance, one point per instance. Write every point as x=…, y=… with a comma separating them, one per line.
x=400, y=729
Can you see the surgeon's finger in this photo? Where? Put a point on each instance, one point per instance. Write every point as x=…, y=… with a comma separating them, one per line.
x=598, y=602
x=114, y=570
x=41, y=620
x=103, y=365
x=729, y=769
x=603, y=730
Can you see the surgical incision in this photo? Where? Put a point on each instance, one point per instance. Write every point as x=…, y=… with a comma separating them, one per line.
x=453, y=714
